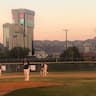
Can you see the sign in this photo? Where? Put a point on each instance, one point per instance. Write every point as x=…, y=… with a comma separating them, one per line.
x=21, y=18
x=33, y=67
x=3, y=68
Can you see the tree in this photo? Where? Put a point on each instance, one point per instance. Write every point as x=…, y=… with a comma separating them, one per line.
x=19, y=52
x=71, y=54
x=4, y=52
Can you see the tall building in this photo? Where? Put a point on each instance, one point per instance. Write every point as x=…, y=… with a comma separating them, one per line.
x=6, y=34
x=20, y=32
x=12, y=36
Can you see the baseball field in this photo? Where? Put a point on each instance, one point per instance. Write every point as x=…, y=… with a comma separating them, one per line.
x=55, y=84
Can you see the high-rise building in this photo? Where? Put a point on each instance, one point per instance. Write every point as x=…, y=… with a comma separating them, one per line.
x=12, y=36
x=20, y=32
x=6, y=34
x=23, y=16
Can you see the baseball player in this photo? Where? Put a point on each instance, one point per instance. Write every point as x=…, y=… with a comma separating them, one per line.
x=26, y=69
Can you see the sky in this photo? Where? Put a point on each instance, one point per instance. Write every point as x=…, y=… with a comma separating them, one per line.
x=52, y=17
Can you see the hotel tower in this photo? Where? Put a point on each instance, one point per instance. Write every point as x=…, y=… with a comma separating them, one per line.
x=20, y=32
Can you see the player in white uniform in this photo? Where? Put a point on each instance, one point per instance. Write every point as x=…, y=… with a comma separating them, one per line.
x=45, y=70
x=26, y=70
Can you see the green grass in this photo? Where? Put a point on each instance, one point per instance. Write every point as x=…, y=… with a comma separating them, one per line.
x=67, y=90
x=71, y=87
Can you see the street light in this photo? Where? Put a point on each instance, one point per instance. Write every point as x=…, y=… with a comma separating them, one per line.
x=66, y=30
x=24, y=31
x=23, y=26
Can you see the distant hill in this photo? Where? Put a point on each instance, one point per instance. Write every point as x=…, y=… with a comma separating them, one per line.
x=49, y=46
x=58, y=46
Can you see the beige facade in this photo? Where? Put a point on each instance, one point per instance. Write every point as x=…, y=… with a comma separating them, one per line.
x=12, y=36
x=20, y=32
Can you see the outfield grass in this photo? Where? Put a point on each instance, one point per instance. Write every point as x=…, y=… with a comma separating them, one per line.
x=71, y=87
x=56, y=91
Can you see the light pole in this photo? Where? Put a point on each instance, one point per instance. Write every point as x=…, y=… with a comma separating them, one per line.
x=24, y=30
x=66, y=30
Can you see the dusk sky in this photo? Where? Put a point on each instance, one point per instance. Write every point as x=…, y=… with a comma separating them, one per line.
x=53, y=16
